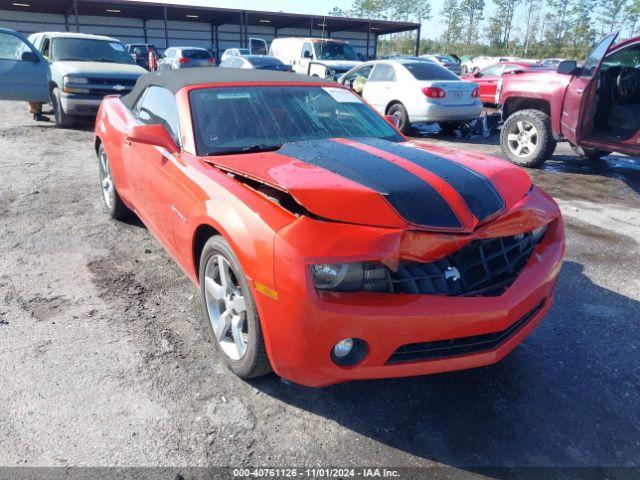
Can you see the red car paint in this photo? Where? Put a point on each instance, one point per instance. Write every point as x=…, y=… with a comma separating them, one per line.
x=567, y=99
x=349, y=223
x=488, y=78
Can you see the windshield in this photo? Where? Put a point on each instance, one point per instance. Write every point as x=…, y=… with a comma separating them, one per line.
x=430, y=71
x=89, y=50
x=226, y=119
x=334, y=51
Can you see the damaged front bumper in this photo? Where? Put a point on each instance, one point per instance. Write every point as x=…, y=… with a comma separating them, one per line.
x=404, y=334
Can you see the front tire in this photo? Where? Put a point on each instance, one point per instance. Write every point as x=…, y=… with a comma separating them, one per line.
x=63, y=120
x=397, y=110
x=230, y=311
x=113, y=203
x=527, y=139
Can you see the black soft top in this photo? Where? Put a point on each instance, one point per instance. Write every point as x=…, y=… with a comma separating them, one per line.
x=175, y=80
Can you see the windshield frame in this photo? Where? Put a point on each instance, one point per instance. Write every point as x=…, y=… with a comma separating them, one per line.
x=55, y=43
x=201, y=150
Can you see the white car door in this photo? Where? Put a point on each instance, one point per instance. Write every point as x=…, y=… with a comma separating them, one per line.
x=306, y=56
x=379, y=89
x=24, y=72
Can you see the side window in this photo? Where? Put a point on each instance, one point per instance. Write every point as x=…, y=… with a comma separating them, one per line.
x=360, y=72
x=158, y=105
x=591, y=64
x=11, y=47
x=383, y=73
x=307, y=50
x=45, y=48
x=492, y=71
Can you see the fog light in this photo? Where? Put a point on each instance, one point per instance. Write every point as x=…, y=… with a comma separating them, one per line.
x=349, y=352
x=343, y=348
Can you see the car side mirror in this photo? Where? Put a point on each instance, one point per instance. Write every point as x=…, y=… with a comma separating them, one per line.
x=392, y=119
x=567, y=67
x=307, y=54
x=477, y=74
x=155, y=135
x=29, y=56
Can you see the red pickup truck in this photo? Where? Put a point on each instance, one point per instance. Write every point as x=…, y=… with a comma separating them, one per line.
x=595, y=107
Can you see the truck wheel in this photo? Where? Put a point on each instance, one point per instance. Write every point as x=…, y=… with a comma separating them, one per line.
x=62, y=119
x=397, y=110
x=526, y=138
x=590, y=153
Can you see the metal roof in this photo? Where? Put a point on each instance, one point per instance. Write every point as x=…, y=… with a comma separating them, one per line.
x=212, y=15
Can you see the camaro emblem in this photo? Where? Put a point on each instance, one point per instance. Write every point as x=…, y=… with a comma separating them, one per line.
x=119, y=87
x=452, y=273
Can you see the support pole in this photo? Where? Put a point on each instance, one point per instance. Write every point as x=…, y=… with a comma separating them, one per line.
x=75, y=12
x=217, y=42
x=375, y=47
x=366, y=57
x=418, y=43
x=311, y=27
x=144, y=29
x=246, y=30
x=166, y=27
x=241, y=25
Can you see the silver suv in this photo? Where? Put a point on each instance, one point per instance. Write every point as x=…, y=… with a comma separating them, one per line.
x=73, y=71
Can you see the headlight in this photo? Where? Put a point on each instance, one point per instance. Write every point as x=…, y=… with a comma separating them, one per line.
x=538, y=233
x=351, y=277
x=69, y=85
x=76, y=80
x=339, y=277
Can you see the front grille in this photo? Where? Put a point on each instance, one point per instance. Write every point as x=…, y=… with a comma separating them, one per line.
x=107, y=86
x=113, y=81
x=484, y=267
x=460, y=346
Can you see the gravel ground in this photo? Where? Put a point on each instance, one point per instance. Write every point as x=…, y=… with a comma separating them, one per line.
x=105, y=360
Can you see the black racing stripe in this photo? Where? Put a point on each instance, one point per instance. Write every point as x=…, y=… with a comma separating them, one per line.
x=413, y=198
x=478, y=192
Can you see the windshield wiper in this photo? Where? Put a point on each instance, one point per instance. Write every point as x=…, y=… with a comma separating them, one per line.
x=260, y=147
x=106, y=60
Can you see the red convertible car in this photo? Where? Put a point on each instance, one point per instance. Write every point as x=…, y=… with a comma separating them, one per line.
x=326, y=246
x=489, y=77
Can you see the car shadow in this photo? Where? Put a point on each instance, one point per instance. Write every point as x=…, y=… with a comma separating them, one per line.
x=567, y=396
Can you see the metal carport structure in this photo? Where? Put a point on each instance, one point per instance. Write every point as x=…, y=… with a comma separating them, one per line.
x=173, y=25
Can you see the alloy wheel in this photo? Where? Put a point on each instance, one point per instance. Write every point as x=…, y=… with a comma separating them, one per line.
x=398, y=115
x=106, y=181
x=226, y=307
x=523, y=138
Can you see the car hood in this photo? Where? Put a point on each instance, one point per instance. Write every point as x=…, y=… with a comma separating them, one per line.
x=341, y=65
x=376, y=182
x=101, y=69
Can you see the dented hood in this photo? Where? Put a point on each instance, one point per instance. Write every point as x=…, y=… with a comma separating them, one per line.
x=376, y=182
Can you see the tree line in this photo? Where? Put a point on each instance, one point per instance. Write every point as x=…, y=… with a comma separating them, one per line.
x=524, y=28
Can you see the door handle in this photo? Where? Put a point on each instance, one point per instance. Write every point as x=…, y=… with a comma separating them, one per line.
x=579, y=91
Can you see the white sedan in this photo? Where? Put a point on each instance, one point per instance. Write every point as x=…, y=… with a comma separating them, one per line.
x=415, y=92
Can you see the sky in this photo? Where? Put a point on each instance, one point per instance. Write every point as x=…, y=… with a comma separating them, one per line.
x=314, y=7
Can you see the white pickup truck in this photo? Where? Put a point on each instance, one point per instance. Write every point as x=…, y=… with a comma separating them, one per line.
x=324, y=58
x=72, y=71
